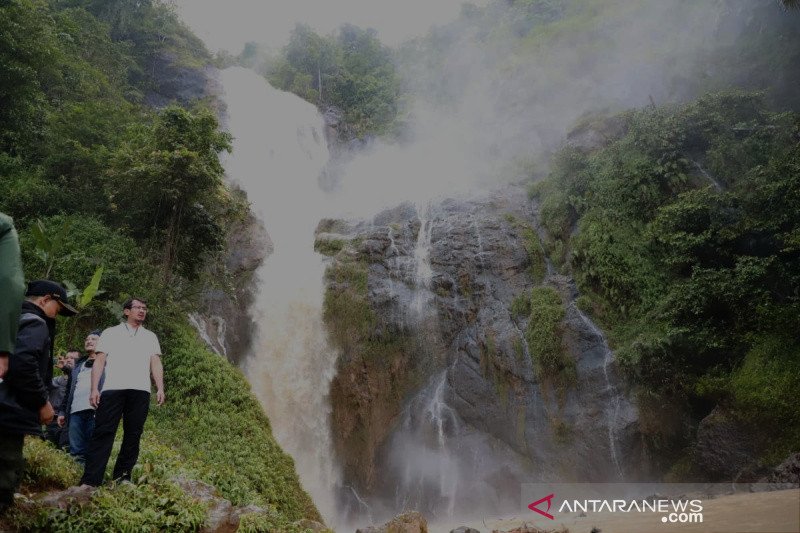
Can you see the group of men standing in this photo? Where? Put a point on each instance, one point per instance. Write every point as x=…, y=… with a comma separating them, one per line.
x=111, y=383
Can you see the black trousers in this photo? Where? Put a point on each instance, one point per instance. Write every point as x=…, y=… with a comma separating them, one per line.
x=11, y=466
x=131, y=406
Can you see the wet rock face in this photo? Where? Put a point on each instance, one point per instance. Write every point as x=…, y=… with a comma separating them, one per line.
x=725, y=448
x=222, y=321
x=445, y=276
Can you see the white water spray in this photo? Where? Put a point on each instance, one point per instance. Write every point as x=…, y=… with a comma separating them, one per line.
x=279, y=154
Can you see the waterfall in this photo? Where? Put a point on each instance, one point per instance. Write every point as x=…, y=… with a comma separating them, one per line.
x=717, y=185
x=613, y=407
x=430, y=472
x=423, y=273
x=279, y=155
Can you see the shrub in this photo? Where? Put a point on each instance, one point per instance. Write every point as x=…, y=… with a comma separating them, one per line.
x=545, y=337
x=521, y=305
x=47, y=467
x=328, y=246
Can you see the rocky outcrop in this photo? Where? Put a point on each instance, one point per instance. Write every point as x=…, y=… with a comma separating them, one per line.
x=405, y=523
x=222, y=319
x=726, y=448
x=785, y=475
x=595, y=132
x=444, y=278
x=173, y=81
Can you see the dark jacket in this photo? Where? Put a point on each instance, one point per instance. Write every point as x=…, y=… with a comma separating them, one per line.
x=30, y=370
x=66, y=405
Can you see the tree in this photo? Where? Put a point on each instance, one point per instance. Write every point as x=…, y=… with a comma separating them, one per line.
x=168, y=183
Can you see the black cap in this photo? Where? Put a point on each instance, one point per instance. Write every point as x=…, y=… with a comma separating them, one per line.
x=45, y=287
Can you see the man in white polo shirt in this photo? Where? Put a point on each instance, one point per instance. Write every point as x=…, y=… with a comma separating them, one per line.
x=129, y=353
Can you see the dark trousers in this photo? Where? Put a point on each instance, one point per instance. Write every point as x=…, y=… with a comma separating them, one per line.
x=57, y=435
x=11, y=466
x=131, y=407
x=81, y=427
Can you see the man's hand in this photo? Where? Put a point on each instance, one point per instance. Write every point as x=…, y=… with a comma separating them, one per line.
x=160, y=396
x=46, y=413
x=3, y=364
x=61, y=420
x=94, y=398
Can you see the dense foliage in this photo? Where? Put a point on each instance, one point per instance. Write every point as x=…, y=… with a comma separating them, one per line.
x=688, y=248
x=128, y=187
x=94, y=177
x=350, y=70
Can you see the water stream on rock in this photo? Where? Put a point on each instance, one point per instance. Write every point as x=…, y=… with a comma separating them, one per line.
x=613, y=407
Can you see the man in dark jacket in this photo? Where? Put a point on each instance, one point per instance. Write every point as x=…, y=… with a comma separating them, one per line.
x=55, y=432
x=24, y=405
x=76, y=413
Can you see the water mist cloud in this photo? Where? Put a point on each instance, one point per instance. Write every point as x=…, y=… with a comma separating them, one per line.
x=229, y=25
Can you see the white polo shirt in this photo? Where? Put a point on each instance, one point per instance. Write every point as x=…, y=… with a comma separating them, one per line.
x=128, y=351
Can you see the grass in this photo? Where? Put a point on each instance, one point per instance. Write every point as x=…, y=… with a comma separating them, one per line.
x=329, y=247
x=521, y=305
x=545, y=338
x=47, y=468
x=538, y=267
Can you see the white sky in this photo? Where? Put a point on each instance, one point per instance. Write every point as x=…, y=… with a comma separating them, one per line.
x=228, y=24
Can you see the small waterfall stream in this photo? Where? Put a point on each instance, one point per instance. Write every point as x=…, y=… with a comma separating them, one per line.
x=717, y=185
x=612, y=409
x=423, y=273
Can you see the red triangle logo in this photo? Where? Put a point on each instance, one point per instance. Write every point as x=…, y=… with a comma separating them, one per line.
x=549, y=500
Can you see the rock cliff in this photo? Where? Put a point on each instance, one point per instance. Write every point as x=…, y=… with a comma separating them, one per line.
x=437, y=359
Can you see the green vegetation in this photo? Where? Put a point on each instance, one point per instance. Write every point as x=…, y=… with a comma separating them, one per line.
x=153, y=506
x=695, y=280
x=538, y=266
x=352, y=324
x=545, y=338
x=351, y=70
x=98, y=182
x=521, y=305
x=328, y=247
x=47, y=467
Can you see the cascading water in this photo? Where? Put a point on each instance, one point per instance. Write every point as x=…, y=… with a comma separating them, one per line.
x=612, y=408
x=430, y=481
x=423, y=273
x=278, y=157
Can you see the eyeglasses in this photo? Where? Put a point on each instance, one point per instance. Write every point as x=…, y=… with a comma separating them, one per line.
x=142, y=307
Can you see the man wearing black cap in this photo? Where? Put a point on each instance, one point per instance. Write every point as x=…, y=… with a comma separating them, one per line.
x=24, y=404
